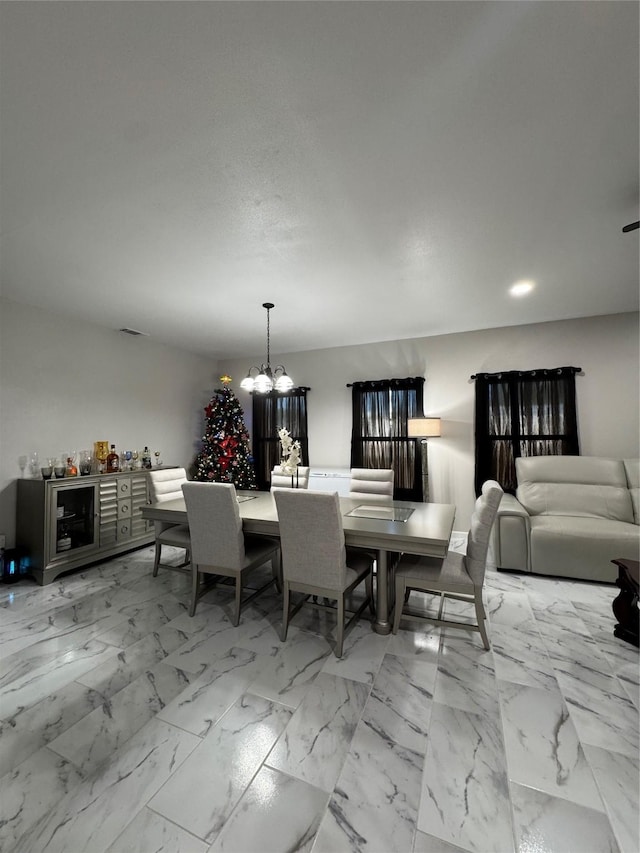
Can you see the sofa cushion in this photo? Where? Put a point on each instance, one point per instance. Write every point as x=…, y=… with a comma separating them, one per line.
x=592, y=470
x=632, y=470
x=581, y=547
x=588, y=487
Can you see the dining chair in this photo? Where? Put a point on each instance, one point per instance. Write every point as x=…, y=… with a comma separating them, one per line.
x=166, y=485
x=218, y=545
x=315, y=560
x=458, y=576
x=299, y=480
x=374, y=485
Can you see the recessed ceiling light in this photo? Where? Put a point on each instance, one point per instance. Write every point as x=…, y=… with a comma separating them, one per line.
x=521, y=288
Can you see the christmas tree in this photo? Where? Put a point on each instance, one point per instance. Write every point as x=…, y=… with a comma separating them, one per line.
x=225, y=456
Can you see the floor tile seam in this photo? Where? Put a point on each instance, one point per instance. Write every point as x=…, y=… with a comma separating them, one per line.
x=601, y=813
x=633, y=692
x=606, y=695
x=454, y=847
x=109, y=699
x=42, y=731
x=291, y=775
x=384, y=735
x=61, y=756
x=46, y=611
x=65, y=634
x=149, y=663
x=613, y=821
x=238, y=803
x=163, y=817
x=40, y=672
x=587, y=741
x=556, y=793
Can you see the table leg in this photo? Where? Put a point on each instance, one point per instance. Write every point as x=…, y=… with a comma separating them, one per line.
x=382, y=625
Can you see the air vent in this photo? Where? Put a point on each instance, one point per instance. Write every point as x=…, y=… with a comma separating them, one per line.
x=135, y=332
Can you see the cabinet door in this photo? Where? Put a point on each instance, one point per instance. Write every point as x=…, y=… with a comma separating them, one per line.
x=73, y=514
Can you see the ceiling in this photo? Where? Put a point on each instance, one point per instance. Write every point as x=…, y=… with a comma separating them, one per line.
x=378, y=170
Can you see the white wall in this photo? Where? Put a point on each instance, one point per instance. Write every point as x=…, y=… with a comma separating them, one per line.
x=606, y=348
x=64, y=385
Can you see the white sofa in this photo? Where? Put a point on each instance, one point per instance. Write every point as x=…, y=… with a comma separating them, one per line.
x=570, y=517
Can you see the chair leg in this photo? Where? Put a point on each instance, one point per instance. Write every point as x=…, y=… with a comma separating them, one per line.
x=236, y=618
x=285, y=612
x=340, y=631
x=480, y=616
x=156, y=560
x=276, y=570
x=195, y=582
x=402, y=594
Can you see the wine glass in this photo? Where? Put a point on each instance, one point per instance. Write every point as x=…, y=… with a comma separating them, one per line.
x=22, y=462
x=157, y=455
x=135, y=455
x=34, y=465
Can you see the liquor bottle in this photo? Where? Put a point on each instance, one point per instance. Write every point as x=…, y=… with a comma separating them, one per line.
x=113, y=461
x=64, y=539
x=146, y=457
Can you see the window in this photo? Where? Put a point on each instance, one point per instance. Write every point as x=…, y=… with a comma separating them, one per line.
x=272, y=412
x=520, y=413
x=379, y=439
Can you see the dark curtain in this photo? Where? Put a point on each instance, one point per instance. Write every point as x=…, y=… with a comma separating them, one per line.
x=379, y=431
x=523, y=413
x=272, y=412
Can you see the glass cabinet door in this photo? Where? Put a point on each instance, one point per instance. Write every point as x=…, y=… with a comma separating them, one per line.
x=73, y=518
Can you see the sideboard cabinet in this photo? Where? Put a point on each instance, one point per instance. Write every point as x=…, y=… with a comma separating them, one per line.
x=71, y=522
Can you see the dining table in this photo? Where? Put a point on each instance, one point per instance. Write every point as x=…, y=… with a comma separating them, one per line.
x=398, y=527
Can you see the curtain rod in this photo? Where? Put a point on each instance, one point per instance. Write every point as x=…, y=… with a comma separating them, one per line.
x=558, y=371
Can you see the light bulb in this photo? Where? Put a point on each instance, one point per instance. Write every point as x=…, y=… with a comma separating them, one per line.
x=262, y=383
x=284, y=382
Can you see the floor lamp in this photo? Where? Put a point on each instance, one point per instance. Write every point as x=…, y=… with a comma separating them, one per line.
x=424, y=428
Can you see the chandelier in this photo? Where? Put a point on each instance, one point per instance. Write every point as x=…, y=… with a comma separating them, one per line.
x=267, y=379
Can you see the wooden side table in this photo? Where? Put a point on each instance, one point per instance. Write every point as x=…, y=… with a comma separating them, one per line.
x=625, y=605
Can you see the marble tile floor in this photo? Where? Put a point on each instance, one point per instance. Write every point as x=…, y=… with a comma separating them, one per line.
x=127, y=726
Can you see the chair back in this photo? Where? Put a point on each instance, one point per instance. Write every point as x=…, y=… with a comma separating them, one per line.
x=484, y=515
x=215, y=524
x=166, y=484
x=283, y=481
x=311, y=537
x=372, y=484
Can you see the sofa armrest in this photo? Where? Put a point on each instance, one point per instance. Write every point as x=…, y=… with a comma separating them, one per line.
x=513, y=535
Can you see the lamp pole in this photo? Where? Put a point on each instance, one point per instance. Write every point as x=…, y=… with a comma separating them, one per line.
x=424, y=429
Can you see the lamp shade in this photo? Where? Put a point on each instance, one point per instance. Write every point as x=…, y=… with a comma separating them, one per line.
x=423, y=428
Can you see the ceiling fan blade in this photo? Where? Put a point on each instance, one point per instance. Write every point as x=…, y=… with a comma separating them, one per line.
x=631, y=227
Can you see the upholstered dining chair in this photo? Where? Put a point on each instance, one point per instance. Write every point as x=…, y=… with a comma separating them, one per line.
x=218, y=545
x=458, y=576
x=315, y=560
x=373, y=485
x=300, y=479
x=165, y=484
